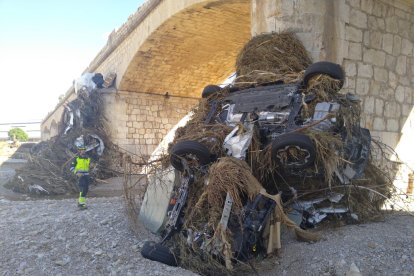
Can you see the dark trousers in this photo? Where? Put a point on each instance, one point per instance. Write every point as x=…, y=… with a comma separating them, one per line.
x=84, y=181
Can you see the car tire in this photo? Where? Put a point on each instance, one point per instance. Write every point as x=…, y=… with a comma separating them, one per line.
x=181, y=149
x=159, y=253
x=299, y=141
x=326, y=68
x=210, y=90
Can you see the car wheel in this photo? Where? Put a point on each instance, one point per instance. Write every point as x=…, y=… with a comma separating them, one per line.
x=159, y=253
x=195, y=153
x=293, y=151
x=210, y=90
x=326, y=68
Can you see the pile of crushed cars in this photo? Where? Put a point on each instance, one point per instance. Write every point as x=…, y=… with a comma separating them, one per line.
x=82, y=125
x=277, y=146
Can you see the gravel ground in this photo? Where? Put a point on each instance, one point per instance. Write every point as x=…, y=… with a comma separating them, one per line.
x=383, y=248
x=53, y=237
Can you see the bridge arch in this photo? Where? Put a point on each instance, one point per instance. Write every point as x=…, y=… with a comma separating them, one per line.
x=195, y=46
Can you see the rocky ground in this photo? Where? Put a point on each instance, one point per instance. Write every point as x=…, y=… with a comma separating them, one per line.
x=53, y=237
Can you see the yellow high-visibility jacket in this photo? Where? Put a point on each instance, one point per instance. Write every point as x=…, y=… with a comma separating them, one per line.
x=80, y=165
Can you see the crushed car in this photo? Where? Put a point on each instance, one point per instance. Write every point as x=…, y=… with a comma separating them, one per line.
x=281, y=120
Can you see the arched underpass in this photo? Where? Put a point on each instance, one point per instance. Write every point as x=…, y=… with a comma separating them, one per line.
x=195, y=47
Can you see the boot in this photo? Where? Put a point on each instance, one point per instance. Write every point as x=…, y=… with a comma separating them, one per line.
x=82, y=201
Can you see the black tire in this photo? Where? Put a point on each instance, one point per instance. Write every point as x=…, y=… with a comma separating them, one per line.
x=159, y=253
x=326, y=68
x=210, y=90
x=298, y=141
x=194, y=148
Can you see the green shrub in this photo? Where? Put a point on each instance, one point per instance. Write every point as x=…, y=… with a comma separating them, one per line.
x=19, y=134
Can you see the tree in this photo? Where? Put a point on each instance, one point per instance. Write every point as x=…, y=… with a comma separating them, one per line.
x=18, y=134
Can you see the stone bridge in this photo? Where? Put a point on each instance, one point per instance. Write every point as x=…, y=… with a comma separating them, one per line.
x=168, y=50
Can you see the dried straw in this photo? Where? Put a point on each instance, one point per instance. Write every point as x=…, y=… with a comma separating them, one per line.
x=269, y=58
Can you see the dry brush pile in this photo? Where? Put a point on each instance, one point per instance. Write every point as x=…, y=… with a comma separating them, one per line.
x=47, y=171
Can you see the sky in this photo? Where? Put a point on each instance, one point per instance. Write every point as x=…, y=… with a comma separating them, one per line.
x=45, y=45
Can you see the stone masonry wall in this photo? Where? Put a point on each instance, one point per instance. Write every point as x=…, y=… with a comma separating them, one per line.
x=380, y=65
x=380, y=68
x=373, y=40
x=138, y=121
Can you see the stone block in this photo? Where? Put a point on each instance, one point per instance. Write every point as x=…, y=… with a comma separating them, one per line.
x=374, y=57
x=353, y=34
x=367, y=6
x=400, y=94
x=355, y=51
x=362, y=86
x=365, y=70
x=401, y=67
x=369, y=105
x=387, y=94
x=390, y=62
x=393, y=125
x=380, y=74
x=404, y=80
x=148, y=125
x=407, y=47
x=401, y=14
x=392, y=79
x=387, y=42
x=376, y=87
x=350, y=84
x=375, y=40
x=396, y=48
x=367, y=121
x=359, y=19
x=137, y=124
x=391, y=24
x=376, y=24
x=379, y=123
x=392, y=110
x=379, y=107
x=404, y=28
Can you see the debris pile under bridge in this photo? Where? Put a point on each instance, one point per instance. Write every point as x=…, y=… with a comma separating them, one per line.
x=47, y=171
x=280, y=145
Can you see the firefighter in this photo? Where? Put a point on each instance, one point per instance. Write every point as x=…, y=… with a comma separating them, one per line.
x=80, y=166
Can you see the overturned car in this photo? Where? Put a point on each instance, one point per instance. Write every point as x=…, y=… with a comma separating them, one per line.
x=270, y=144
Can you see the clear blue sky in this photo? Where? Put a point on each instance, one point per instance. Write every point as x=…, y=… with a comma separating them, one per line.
x=46, y=44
